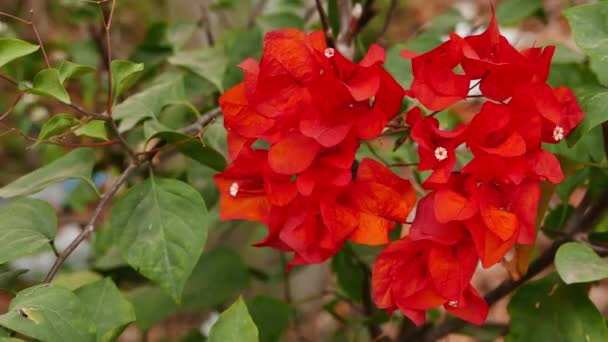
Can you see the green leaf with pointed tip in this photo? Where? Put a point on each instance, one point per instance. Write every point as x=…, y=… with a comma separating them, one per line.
x=160, y=229
x=69, y=70
x=219, y=275
x=593, y=99
x=76, y=164
x=124, y=75
x=150, y=102
x=75, y=280
x=94, y=129
x=549, y=310
x=152, y=306
x=590, y=32
x=107, y=307
x=194, y=148
x=11, y=49
x=48, y=83
x=49, y=313
x=208, y=63
x=27, y=226
x=56, y=125
x=577, y=263
x=234, y=325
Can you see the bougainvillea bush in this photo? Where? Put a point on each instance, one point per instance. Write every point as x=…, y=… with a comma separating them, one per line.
x=204, y=193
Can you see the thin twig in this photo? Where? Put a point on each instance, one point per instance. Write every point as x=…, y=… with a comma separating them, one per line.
x=206, y=22
x=329, y=36
x=107, y=26
x=257, y=10
x=90, y=227
x=31, y=24
x=202, y=121
x=387, y=21
x=376, y=154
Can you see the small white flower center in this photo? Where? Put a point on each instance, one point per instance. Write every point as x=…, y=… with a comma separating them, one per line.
x=441, y=153
x=453, y=303
x=329, y=52
x=558, y=133
x=234, y=189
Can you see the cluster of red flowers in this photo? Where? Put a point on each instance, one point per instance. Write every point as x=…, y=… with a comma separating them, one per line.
x=296, y=121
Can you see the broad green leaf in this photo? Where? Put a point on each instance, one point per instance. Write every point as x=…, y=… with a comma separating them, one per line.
x=565, y=188
x=590, y=148
x=512, y=11
x=3, y=333
x=124, y=75
x=557, y=219
x=76, y=164
x=49, y=313
x=348, y=273
x=150, y=102
x=234, y=325
x=93, y=129
x=194, y=148
x=56, y=125
x=26, y=227
x=270, y=315
x=564, y=54
x=152, y=306
x=594, y=102
x=577, y=263
x=549, y=310
x=238, y=46
x=106, y=306
x=11, y=49
x=160, y=229
x=69, y=70
x=48, y=83
x=208, y=63
x=219, y=275
x=9, y=278
x=590, y=32
x=279, y=21
x=75, y=280
x=10, y=339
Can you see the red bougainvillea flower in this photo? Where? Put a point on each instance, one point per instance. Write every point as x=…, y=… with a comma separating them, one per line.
x=414, y=276
x=435, y=83
x=435, y=146
x=507, y=215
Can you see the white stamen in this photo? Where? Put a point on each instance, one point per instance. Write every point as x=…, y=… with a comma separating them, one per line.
x=351, y=105
x=453, y=303
x=329, y=52
x=234, y=189
x=441, y=153
x=558, y=133
x=357, y=11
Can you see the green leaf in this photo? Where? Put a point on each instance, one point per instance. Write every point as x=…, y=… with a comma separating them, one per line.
x=234, y=325
x=590, y=148
x=557, y=219
x=8, y=279
x=577, y=263
x=208, y=63
x=152, y=306
x=26, y=227
x=56, y=125
x=48, y=83
x=590, y=32
x=567, y=187
x=160, y=229
x=76, y=164
x=594, y=102
x=150, y=102
x=94, y=129
x=512, y=11
x=279, y=21
x=349, y=274
x=270, y=315
x=219, y=275
x=107, y=308
x=69, y=70
x=75, y=280
x=11, y=49
x=49, y=313
x=549, y=310
x=124, y=75
x=194, y=148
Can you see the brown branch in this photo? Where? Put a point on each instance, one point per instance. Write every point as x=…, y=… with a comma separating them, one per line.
x=202, y=121
x=31, y=24
x=387, y=21
x=90, y=227
x=329, y=35
x=581, y=221
x=107, y=26
x=206, y=22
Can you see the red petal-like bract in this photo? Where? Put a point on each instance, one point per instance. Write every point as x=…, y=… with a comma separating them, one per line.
x=309, y=107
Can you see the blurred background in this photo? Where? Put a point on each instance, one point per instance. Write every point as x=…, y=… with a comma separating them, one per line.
x=205, y=40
